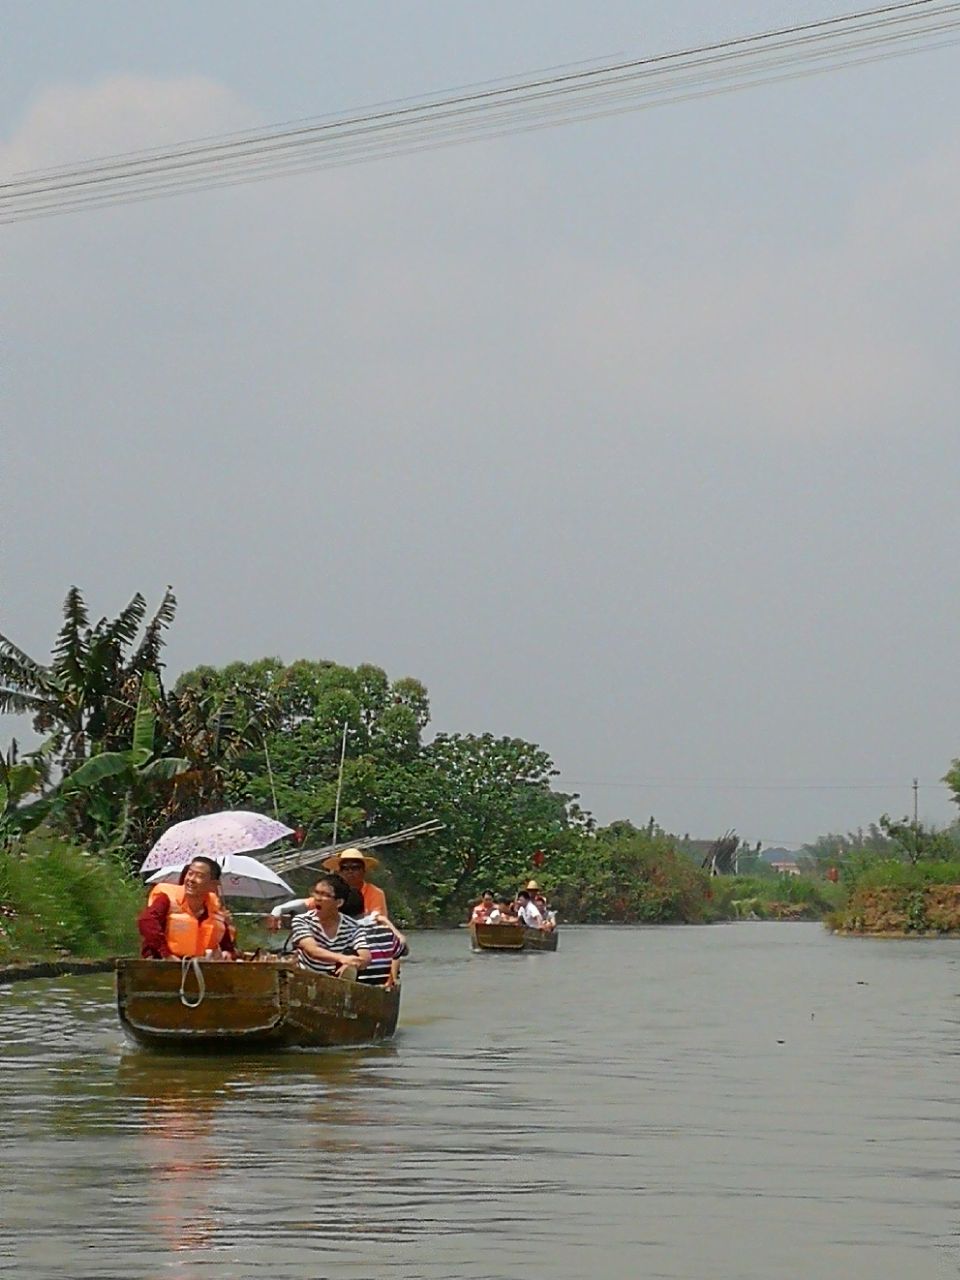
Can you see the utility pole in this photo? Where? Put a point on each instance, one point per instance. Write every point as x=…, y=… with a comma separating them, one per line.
x=916, y=829
x=336, y=806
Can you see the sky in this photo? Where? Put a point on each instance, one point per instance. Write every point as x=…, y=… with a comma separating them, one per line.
x=636, y=438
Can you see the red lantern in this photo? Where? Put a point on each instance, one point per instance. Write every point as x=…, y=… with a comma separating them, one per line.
x=538, y=859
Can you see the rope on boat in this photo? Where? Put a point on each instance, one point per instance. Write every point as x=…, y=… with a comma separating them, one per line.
x=188, y=963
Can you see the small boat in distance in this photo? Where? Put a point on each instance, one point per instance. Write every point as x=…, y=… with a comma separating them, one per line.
x=512, y=937
x=207, y=1004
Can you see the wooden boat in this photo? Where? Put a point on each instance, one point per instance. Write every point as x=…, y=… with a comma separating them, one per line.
x=220, y=1006
x=512, y=937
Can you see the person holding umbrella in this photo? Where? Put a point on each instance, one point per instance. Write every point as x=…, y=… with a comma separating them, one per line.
x=187, y=919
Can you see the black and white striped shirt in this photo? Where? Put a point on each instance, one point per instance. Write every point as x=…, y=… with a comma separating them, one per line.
x=384, y=947
x=348, y=939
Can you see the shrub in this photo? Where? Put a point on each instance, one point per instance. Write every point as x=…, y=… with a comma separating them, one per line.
x=58, y=898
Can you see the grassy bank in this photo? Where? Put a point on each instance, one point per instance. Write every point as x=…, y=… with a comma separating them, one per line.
x=775, y=897
x=57, y=900
x=60, y=901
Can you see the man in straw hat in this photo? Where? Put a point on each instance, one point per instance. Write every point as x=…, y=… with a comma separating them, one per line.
x=353, y=865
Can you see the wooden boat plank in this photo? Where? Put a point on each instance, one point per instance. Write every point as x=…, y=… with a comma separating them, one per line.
x=541, y=939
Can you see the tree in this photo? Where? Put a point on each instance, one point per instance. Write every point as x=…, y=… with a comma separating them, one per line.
x=914, y=842
x=497, y=805
x=18, y=779
x=836, y=848
x=78, y=699
x=302, y=708
x=626, y=875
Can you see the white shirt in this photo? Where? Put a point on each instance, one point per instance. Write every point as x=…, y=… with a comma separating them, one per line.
x=530, y=915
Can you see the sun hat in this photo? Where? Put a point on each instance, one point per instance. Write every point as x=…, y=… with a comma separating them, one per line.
x=335, y=861
x=531, y=884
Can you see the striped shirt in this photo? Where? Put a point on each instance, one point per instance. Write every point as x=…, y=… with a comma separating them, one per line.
x=385, y=947
x=348, y=940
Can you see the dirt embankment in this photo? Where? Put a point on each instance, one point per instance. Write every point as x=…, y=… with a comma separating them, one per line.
x=899, y=912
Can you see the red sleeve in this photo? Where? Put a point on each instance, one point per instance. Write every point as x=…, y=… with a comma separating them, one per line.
x=152, y=923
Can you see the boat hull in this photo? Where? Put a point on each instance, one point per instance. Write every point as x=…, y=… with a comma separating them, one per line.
x=512, y=937
x=249, y=1006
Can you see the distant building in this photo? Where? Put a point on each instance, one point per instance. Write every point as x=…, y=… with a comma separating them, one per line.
x=785, y=868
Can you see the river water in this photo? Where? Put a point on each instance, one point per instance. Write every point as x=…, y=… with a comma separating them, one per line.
x=740, y=1101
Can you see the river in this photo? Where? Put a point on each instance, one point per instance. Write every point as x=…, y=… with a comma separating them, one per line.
x=734, y=1102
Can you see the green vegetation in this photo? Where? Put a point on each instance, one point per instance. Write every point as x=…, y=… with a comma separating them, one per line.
x=892, y=896
x=122, y=757
x=625, y=875
x=57, y=899
x=776, y=897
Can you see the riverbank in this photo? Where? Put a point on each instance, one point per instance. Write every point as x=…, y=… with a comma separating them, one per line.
x=891, y=912
x=53, y=969
x=61, y=904
x=896, y=900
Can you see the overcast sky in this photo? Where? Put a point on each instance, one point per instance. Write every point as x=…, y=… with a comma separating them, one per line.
x=636, y=438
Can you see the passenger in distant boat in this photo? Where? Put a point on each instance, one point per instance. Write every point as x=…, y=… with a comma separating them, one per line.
x=327, y=941
x=502, y=913
x=187, y=919
x=527, y=911
x=353, y=865
x=387, y=944
x=482, y=911
x=549, y=917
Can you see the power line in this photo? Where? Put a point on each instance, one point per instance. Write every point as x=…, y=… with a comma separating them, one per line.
x=725, y=784
x=545, y=101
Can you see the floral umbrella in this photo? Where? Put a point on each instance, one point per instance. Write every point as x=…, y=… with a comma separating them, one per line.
x=242, y=877
x=214, y=835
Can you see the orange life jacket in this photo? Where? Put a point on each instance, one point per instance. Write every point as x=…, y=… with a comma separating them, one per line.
x=186, y=935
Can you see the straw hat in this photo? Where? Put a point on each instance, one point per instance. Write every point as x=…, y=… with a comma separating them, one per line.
x=352, y=855
x=531, y=885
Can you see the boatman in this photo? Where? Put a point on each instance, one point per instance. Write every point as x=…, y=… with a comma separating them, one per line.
x=187, y=919
x=353, y=865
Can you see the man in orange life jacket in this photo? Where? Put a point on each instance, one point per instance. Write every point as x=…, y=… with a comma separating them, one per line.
x=186, y=919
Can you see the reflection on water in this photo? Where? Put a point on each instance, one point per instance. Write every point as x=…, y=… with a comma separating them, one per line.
x=743, y=1101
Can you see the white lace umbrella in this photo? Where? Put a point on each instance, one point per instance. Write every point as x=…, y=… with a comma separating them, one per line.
x=214, y=835
x=242, y=877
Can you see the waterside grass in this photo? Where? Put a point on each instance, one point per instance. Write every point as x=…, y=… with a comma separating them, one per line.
x=58, y=901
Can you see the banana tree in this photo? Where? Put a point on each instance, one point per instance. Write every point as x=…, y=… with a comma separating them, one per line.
x=113, y=787
x=18, y=779
x=75, y=698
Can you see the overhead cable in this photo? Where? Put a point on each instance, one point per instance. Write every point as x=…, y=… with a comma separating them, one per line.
x=544, y=101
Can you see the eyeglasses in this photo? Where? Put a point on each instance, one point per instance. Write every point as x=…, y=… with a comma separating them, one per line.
x=331, y=896
x=352, y=866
